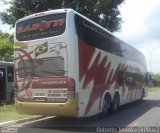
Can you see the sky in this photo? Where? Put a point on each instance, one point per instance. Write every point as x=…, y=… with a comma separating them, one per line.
x=140, y=29
x=4, y=27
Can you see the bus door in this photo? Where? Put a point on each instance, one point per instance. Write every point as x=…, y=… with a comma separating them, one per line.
x=2, y=84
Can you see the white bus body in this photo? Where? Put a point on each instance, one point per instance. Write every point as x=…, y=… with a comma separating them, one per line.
x=67, y=65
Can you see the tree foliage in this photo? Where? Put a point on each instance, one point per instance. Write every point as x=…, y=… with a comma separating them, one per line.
x=156, y=79
x=6, y=46
x=104, y=12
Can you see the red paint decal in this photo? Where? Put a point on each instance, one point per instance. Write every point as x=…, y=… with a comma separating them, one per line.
x=29, y=93
x=100, y=85
x=25, y=83
x=102, y=76
x=85, y=54
x=25, y=54
x=35, y=83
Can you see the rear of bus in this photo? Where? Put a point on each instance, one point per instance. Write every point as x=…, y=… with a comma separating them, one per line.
x=43, y=83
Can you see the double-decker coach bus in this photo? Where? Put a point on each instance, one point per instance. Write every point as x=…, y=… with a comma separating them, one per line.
x=67, y=65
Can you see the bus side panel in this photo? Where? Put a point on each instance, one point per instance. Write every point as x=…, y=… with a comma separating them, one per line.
x=85, y=54
x=99, y=69
x=134, y=82
x=98, y=73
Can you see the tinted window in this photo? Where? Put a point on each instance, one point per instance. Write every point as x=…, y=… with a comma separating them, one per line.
x=41, y=67
x=41, y=27
x=96, y=36
x=10, y=71
x=132, y=54
x=101, y=39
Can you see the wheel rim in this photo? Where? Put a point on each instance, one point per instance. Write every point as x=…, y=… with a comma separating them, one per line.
x=143, y=93
x=106, y=105
x=115, y=102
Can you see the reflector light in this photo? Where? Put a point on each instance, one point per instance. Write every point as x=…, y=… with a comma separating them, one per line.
x=71, y=88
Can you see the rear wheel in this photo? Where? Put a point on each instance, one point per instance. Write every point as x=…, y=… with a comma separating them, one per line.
x=143, y=94
x=106, y=105
x=115, y=103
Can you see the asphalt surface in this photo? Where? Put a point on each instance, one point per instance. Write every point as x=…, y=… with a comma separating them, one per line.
x=138, y=114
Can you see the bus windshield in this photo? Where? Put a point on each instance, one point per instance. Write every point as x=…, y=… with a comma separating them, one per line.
x=41, y=27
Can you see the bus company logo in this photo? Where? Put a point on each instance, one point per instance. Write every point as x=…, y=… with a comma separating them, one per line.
x=42, y=25
x=56, y=47
x=41, y=49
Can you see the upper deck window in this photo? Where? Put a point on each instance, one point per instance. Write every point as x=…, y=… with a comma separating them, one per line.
x=41, y=27
x=95, y=36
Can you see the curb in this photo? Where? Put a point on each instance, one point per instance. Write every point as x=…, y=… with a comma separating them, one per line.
x=14, y=122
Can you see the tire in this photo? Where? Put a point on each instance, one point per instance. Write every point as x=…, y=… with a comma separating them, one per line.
x=106, y=105
x=115, y=103
x=143, y=94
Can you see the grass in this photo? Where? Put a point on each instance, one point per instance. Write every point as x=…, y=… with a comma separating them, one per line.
x=152, y=89
x=8, y=113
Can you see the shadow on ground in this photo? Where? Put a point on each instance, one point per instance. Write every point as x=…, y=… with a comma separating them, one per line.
x=126, y=115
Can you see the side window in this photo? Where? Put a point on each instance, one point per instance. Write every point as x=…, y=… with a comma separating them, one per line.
x=95, y=36
x=10, y=76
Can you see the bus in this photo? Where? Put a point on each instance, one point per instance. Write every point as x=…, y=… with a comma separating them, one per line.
x=6, y=82
x=68, y=66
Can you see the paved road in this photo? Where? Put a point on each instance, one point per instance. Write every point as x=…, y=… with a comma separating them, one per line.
x=138, y=114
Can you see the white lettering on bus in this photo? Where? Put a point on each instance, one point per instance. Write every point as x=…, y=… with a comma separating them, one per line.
x=41, y=25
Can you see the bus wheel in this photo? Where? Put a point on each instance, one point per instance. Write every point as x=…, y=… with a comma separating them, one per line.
x=106, y=105
x=115, y=103
x=143, y=94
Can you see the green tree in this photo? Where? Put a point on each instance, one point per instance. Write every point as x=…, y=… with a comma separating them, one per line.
x=104, y=12
x=6, y=46
x=156, y=79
